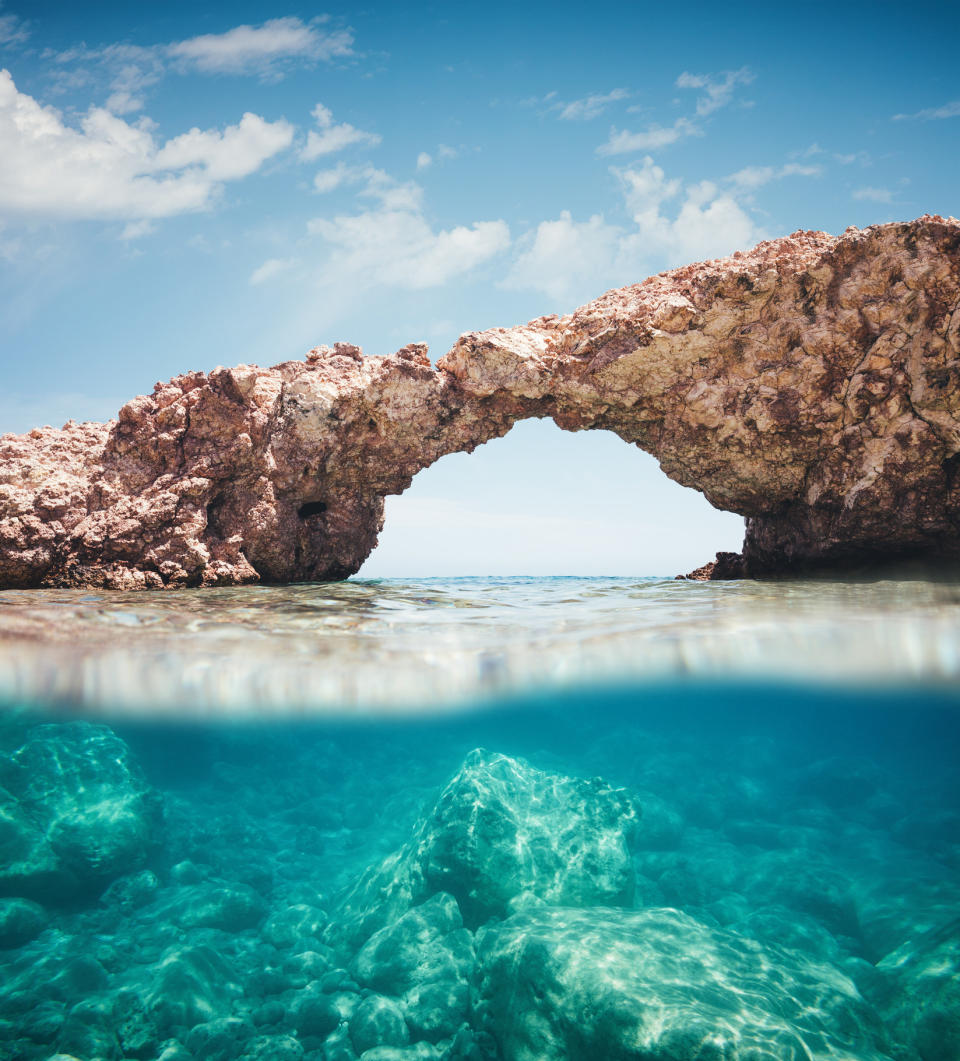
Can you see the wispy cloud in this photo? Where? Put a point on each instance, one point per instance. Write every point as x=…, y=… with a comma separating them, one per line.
x=332, y=136
x=443, y=151
x=756, y=176
x=948, y=110
x=263, y=50
x=874, y=195
x=621, y=141
x=717, y=89
x=13, y=29
x=271, y=267
x=590, y=106
x=268, y=51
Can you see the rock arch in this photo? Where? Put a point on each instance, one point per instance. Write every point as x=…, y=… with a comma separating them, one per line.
x=811, y=384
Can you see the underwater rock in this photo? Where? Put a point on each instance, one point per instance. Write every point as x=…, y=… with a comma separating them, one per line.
x=810, y=384
x=501, y=831
x=300, y=921
x=555, y=983
x=75, y=812
x=377, y=1021
x=189, y=985
x=920, y=995
x=425, y=958
x=20, y=921
x=229, y=907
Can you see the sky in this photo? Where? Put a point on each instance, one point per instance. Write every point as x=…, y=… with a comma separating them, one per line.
x=184, y=186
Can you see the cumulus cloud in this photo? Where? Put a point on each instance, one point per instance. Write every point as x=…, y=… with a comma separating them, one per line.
x=673, y=223
x=564, y=256
x=395, y=245
x=399, y=248
x=332, y=136
x=108, y=168
x=263, y=50
x=717, y=88
x=591, y=106
x=948, y=110
x=621, y=142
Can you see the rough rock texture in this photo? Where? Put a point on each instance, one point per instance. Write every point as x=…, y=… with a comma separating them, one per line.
x=810, y=384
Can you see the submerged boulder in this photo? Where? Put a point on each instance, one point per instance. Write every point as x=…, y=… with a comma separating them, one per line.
x=557, y=984
x=75, y=812
x=425, y=959
x=501, y=833
x=919, y=994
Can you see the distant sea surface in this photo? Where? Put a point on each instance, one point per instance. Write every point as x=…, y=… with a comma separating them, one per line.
x=484, y=819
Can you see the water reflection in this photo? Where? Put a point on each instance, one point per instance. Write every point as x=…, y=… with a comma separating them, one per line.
x=393, y=643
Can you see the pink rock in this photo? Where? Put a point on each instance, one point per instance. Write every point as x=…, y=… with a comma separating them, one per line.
x=811, y=384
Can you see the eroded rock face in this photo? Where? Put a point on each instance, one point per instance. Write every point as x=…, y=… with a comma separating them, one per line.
x=810, y=384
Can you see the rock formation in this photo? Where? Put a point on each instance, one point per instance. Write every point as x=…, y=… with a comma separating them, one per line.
x=810, y=384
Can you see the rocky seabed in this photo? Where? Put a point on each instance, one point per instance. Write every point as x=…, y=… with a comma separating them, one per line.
x=288, y=896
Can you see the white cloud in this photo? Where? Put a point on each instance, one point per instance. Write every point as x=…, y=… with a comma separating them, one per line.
x=568, y=260
x=622, y=142
x=136, y=229
x=442, y=153
x=874, y=195
x=591, y=106
x=948, y=110
x=329, y=179
x=333, y=137
x=262, y=49
x=564, y=256
x=271, y=267
x=395, y=245
x=718, y=89
x=13, y=30
x=756, y=176
x=236, y=152
x=108, y=168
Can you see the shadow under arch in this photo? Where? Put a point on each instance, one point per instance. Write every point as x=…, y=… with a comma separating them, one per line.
x=543, y=501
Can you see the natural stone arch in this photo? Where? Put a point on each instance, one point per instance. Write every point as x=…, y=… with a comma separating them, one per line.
x=810, y=384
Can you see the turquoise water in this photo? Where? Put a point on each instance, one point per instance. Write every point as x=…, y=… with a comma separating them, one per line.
x=584, y=818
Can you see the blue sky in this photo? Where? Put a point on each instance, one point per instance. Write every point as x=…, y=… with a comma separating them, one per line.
x=181, y=188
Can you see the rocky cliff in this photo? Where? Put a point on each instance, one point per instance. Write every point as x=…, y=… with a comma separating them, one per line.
x=811, y=384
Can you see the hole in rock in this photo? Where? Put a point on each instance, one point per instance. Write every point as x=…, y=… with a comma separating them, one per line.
x=311, y=508
x=541, y=501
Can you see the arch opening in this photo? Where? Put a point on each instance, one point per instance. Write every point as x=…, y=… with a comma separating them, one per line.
x=544, y=501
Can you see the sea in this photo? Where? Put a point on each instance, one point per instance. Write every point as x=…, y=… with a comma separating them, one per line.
x=482, y=819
